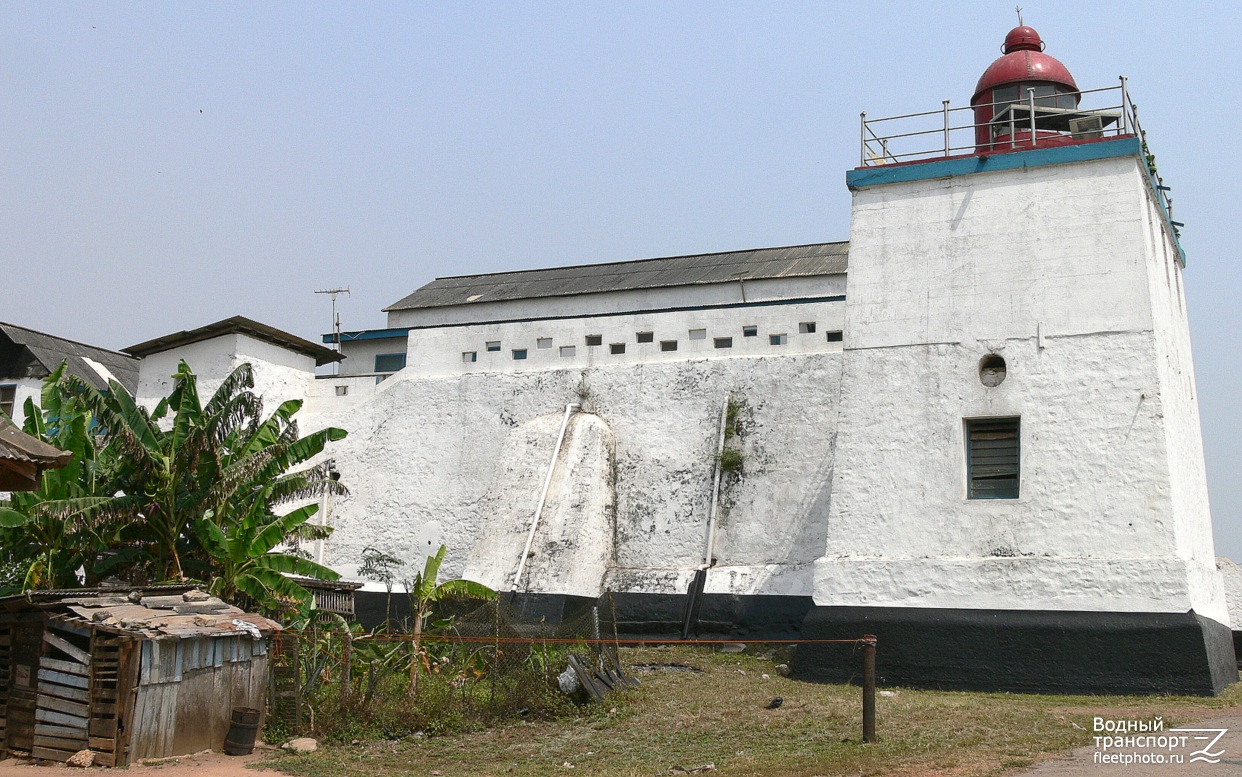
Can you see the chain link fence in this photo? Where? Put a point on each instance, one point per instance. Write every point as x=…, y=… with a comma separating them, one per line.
x=484, y=662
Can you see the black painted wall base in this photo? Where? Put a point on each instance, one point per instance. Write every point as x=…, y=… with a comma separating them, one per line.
x=1020, y=651
x=661, y=616
x=372, y=607
x=720, y=616
x=985, y=650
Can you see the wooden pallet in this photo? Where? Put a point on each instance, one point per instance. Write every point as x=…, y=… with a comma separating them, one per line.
x=62, y=705
x=105, y=698
x=6, y=661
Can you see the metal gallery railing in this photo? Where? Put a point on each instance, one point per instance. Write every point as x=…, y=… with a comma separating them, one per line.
x=1031, y=120
x=945, y=132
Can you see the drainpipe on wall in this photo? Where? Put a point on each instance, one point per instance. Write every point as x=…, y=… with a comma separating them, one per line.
x=325, y=509
x=325, y=506
x=543, y=497
x=694, y=596
x=710, y=552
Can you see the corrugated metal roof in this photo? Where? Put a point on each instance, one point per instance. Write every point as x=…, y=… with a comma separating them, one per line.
x=49, y=351
x=16, y=445
x=23, y=457
x=163, y=612
x=694, y=270
x=237, y=325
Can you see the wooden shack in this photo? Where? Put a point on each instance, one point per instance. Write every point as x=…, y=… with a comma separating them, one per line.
x=23, y=458
x=126, y=673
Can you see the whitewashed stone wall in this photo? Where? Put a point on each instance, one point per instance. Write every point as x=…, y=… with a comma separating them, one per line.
x=562, y=343
x=1052, y=268
x=460, y=460
x=279, y=374
x=24, y=388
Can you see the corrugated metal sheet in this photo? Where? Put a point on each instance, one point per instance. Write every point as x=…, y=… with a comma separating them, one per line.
x=698, y=269
x=154, y=613
x=49, y=351
x=16, y=445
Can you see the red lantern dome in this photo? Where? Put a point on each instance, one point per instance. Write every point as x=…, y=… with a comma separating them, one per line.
x=1024, y=60
x=1008, y=82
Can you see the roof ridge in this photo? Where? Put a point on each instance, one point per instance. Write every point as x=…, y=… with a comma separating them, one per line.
x=638, y=261
x=67, y=340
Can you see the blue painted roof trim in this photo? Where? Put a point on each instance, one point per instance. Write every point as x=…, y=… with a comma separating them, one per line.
x=865, y=177
x=367, y=334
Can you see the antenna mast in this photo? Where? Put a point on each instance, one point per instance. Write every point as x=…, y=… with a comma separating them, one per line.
x=336, y=322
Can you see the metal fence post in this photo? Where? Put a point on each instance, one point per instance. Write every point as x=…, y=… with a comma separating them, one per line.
x=946, y=126
x=862, y=139
x=1125, y=107
x=868, y=643
x=1031, y=94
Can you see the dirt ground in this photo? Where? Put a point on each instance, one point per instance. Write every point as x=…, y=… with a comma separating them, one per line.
x=204, y=764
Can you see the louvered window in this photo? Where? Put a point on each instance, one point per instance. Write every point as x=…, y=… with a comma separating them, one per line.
x=992, y=456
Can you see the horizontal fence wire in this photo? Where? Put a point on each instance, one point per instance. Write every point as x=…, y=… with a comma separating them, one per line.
x=480, y=664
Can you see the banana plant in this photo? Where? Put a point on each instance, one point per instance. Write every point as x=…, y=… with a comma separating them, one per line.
x=184, y=461
x=66, y=524
x=248, y=563
x=424, y=592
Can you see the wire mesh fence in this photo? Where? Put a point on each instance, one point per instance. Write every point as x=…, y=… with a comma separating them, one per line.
x=485, y=662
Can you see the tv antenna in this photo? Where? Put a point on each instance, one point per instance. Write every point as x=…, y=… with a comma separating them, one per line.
x=336, y=322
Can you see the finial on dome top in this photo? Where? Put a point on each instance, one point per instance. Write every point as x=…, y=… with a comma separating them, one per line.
x=1022, y=38
x=1018, y=9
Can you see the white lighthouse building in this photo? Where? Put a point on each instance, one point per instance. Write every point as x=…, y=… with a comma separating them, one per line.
x=971, y=430
x=1019, y=486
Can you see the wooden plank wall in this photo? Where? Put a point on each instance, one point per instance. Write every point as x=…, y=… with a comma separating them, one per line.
x=187, y=691
x=106, y=689
x=62, y=709
x=25, y=646
x=6, y=661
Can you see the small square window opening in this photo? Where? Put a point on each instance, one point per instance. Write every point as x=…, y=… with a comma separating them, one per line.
x=698, y=334
x=835, y=337
x=616, y=348
x=594, y=339
x=750, y=331
x=668, y=345
x=519, y=353
x=8, y=399
x=469, y=356
x=493, y=346
x=723, y=342
x=806, y=328
x=342, y=391
x=568, y=350
x=389, y=362
x=645, y=337
x=778, y=339
x=543, y=342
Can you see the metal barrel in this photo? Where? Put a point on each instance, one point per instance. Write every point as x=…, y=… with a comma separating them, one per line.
x=245, y=725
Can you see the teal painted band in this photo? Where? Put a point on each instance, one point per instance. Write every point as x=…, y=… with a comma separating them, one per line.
x=865, y=177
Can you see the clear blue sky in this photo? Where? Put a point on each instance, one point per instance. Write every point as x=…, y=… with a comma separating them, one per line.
x=165, y=165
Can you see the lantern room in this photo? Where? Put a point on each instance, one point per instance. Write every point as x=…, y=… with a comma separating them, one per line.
x=1028, y=98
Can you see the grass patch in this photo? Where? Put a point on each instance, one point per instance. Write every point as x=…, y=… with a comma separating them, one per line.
x=690, y=719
